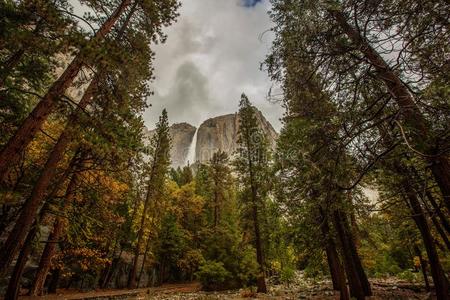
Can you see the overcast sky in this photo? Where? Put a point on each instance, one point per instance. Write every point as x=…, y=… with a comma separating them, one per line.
x=212, y=55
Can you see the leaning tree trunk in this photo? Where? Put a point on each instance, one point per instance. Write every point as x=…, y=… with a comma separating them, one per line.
x=148, y=197
x=440, y=165
x=444, y=221
x=357, y=260
x=112, y=270
x=440, y=280
x=423, y=267
x=147, y=249
x=37, y=288
x=30, y=208
x=441, y=232
x=356, y=286
x=12, y=292
x=336, y=270
x=31, y=125
x=133, y=271
x=14, y=281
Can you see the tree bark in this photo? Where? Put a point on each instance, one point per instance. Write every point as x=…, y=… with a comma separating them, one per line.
x=336, y=270
x=105, y=272
x=359, y=267
x=438, y=210
x=423, y=267
x=112, y=270
x=216, y=207
x=53, y=285
x=133, y=271
x=37, y=288
x=23, y=136
x=440, y=165
x=30, y=208
x=147, y=248
x=356, y=286
x=441, y=232
x=261, y=278
x=440, y=281
x=12, y=292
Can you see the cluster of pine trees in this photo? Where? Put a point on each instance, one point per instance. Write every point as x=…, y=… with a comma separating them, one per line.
x=366, y=91
x=88, y=201
x=72, y=90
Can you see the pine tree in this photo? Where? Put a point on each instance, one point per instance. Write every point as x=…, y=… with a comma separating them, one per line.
x=252, y=163
x=157, y=173
x=221, y=182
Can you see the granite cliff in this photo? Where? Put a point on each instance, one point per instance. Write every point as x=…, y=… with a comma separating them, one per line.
x=181, y=134
x=218, y=133
x=221, y=133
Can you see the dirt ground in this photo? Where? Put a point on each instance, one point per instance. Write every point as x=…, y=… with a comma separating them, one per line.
x=382, y=289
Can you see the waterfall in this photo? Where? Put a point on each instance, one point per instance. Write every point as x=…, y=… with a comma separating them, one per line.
x=190, y=158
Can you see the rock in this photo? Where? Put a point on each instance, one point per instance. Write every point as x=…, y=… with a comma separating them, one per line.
x=218, y=133
x=221, y=133
x=181, y=134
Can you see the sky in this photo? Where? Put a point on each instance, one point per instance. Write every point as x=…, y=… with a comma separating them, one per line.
x=212, y=55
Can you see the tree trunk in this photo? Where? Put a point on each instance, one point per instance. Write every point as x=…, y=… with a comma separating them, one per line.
x=438, y=210
x=147, y=248
x=12, y=292
x=23, y=136
x=112, y=270
x=261, y=279
x=216, y=208
x=356, y=286
x=133, y=271
x=105, y=272
x=31, y=206
x=336, y=270
x=359, y=267
x=423, y=267
x=441, y=232
x=440, y=281
x=37, y=288
x=440, y=165
x=53, y=285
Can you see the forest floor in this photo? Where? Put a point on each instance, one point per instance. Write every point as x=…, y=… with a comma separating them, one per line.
x=382, y=289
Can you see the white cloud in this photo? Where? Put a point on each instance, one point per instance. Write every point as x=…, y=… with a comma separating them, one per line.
x=212, y=55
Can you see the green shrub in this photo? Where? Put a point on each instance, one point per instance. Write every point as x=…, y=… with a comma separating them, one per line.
x=287, y=275
x=247, y=268
x=213, y=276
x=410, y=276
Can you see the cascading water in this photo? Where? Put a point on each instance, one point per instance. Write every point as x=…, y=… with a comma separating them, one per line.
x=190, y=158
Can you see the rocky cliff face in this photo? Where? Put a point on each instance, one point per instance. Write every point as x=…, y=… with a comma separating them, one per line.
x=182, y=134
x=221, y=133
